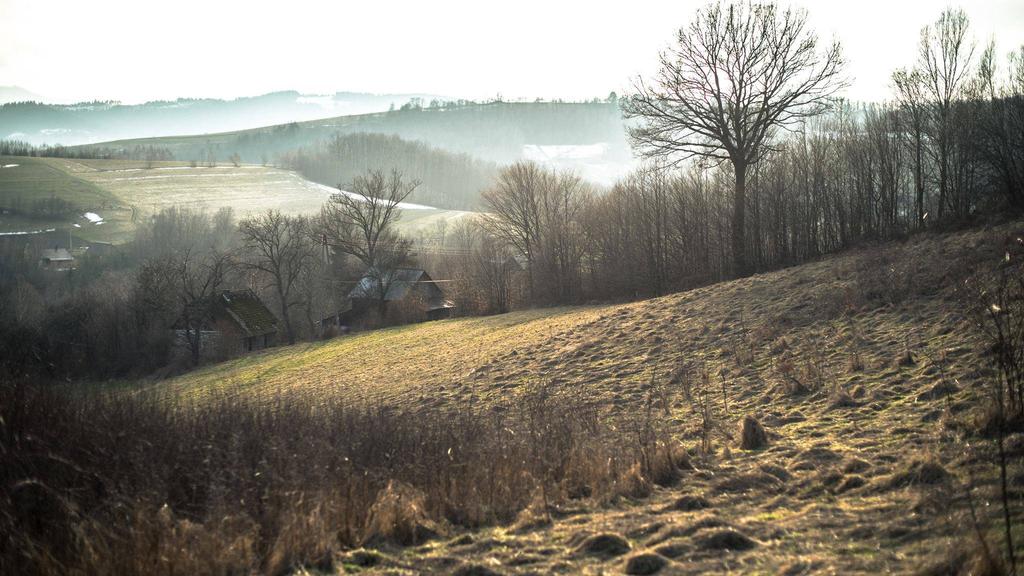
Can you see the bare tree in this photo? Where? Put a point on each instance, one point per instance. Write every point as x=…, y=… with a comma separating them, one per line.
x=538, y=212
x=910, y=94
x=199, y=274
x=562, y=203
x=495, y=268
x=281, y=247
x=944, y=62
x=515, y=211
x=1002, y=124
x=735, y=75
x=360, y=222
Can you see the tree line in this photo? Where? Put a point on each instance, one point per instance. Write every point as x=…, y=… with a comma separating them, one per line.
x=448, y=180
x=752, y=164
x=149, y=153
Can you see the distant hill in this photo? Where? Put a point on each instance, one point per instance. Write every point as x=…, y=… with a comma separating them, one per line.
x=17, y=94
x=587, y=137
x=23, y=117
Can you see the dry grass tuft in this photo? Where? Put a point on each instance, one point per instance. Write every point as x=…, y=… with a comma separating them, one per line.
x=633, y=484
x=645, y=563
x=752, y=434
x=918, y=471
x=230, y=486
x=840, y=398
x=726, y=539
x=473, y=569
x=605, y=545
x=690, y=503
x=399, y=516
x=905, y=359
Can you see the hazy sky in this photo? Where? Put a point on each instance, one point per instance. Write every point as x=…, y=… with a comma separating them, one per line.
x=137, y=50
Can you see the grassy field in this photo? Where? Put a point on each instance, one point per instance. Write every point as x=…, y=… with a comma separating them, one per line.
x=122, y=191
x=867, y=465
x=431, y=370
x=25, y=180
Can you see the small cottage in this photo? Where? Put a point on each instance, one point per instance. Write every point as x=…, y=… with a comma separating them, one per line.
x=56, y=259
x=230, y=323
x=409, y=295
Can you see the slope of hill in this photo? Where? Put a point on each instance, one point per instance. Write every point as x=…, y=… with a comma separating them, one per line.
x=865, y=369
x=587, y=137
x=22, y=118
x=38, y=194
x=121, y=191
x=17, y=94
x=447, y=180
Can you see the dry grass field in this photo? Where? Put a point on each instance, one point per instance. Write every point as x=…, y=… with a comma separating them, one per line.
x=866, y=371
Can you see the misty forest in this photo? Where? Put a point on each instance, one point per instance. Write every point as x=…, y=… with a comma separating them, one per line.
x=719, y=318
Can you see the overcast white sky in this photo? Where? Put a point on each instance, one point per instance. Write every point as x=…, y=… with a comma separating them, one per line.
x=137, y=50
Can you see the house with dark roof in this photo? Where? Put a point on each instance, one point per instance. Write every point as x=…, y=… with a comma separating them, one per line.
x=230, y=323
x=56, y=259
x=407, y=295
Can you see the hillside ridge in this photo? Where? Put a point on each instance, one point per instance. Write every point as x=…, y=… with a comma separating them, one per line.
x=864, y=369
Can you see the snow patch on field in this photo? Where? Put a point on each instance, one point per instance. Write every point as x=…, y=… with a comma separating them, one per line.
x=597, y=162
x=93, y=217
x=200, y=170
x=27, y=232
x=549, y=152
x=402, y=205
x=198, y=173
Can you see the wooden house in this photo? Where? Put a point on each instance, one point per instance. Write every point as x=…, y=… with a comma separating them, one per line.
x=230, y=323
x=56, y=260
x=408, y=295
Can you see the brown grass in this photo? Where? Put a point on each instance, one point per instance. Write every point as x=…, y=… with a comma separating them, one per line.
x=230, y=486
x=752, y=434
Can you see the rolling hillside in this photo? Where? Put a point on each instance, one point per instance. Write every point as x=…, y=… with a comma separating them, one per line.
x=587, y=137
x=24, y=118
x=865, y=369
x=121, y=191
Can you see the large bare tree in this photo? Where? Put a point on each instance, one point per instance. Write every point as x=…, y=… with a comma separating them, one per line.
x=733, y=77
x=514, y=208
x=913, y=105
x=361, y=221
x=199, y=275
x=281, y=248
x=536, y=210
x=944, y=66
